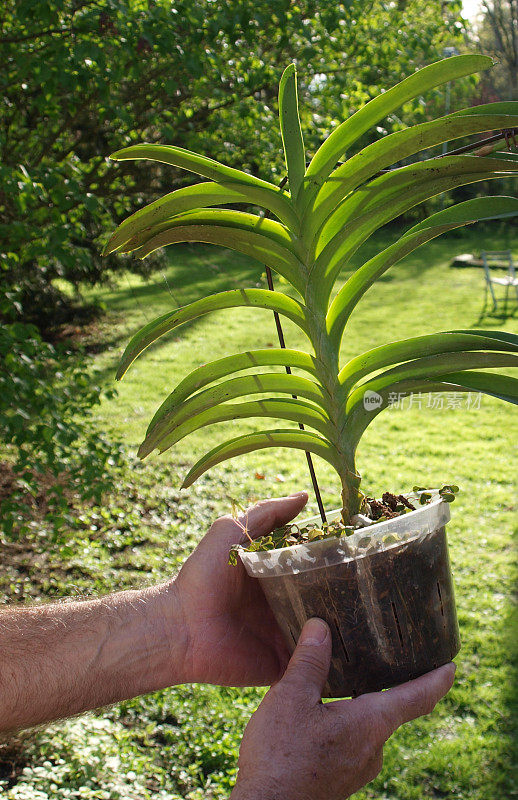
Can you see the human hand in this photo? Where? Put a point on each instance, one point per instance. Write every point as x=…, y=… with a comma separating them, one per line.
x=297, y=748
x=232, y=638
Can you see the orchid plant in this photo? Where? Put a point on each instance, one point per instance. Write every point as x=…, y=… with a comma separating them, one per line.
x=327, y=211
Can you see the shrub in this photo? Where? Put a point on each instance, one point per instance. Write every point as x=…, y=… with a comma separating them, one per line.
x=56, y=456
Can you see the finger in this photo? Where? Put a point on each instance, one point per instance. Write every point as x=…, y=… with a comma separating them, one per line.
x=267, y=515
x=262, y=518
x=409, y=700
x=418, y=697
x=308, y=668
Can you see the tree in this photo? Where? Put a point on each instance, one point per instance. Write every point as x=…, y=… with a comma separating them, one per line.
x=82, y=78
x=498, y=36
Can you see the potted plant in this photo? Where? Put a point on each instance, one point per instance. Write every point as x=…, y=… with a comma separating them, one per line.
x=385, y=590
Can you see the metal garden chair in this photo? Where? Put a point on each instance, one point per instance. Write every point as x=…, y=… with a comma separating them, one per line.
x=489, y=257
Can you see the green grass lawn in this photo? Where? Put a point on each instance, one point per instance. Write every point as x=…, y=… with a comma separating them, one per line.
x=183, y=742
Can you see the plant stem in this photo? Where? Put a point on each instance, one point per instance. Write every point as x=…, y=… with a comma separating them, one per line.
x=351, y=496
x=311, y=468
x=328, y=356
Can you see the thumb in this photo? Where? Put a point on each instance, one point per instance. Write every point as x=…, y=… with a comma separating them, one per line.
x=309, y=664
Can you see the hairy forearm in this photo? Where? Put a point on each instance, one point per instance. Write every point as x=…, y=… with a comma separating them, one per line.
x=61, y=659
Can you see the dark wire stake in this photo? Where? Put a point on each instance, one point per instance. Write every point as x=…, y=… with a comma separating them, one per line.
x=280, y=335
x=309, y=459
x=509, y=134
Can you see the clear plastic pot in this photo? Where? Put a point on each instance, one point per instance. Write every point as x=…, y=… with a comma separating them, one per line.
x=386, y=592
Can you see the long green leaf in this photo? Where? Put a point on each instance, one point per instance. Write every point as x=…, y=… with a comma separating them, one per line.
x=339, y=251
x=234, y=298
x=223, y=367
x=429, y=368
x=479, y=208
x=300, y=440
x=348, y=132
x=291, y=131
x=232, y=389
x=505, y=337
x=461, y=214
x=405, y=186
x=283, y=409
x=202, y=195
x=502, y=387
x=258, y=192
x=505, y=156
x=421, y=346
x=360, y=418
x=509, y=107
x=388, y=151
x=232, y=229
x=220, y=217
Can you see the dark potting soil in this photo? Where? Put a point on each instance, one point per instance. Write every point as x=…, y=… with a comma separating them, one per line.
x=391, y=613
x=386, y=507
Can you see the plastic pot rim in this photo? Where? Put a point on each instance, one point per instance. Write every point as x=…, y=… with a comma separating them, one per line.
x=327, y=552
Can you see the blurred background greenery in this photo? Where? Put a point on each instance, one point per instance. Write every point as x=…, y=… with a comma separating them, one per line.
x=81, y=79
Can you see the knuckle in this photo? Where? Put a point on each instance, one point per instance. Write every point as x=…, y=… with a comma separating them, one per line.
x=293, y=682
x=291, y=704
x=380, y=733
x=262, y=505
x=307, y=660
x=267, y=512
x=368, y=741
x=296, y=687
x=310, y=659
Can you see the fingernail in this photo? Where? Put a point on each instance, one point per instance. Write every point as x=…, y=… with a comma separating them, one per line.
x=314, y=632
x=297, y=494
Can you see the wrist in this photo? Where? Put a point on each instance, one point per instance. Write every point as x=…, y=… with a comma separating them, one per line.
x=163, y=626
x=144, y=645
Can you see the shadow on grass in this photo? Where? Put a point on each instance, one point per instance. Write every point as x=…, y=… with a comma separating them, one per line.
x=120, y=336
x=192, y=273
x=506, y=308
